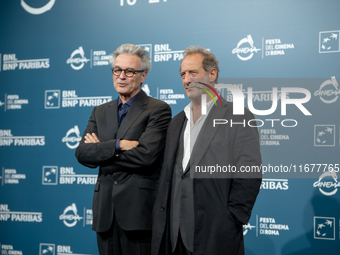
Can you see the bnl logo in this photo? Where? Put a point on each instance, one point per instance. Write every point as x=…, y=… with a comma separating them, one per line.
x=329, y=41
x=52, y=99
x=324, y=135
x=46, y=249
x=50, y=175
x=147, y=48
x=324, y=228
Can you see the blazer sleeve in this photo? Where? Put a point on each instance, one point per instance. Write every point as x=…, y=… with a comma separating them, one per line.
x=94, y=154
x=245, y=186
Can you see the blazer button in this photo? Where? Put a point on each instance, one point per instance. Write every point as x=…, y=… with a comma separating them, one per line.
x=162, y=208
x=115, y=182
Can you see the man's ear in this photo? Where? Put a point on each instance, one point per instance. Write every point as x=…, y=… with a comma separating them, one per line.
x=212, y=75
x=143, y=77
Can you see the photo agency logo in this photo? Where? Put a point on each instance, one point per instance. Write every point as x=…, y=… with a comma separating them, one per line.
x=77, y=59
x=329, y=41
x=36, y=11
x=238, y=98
x=204, y=96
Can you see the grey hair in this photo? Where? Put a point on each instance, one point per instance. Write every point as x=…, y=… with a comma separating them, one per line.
x=209, y=60
x=132, y=49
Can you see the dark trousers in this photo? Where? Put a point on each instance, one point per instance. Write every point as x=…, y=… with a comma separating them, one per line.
x=117, y=241
x=180, y=247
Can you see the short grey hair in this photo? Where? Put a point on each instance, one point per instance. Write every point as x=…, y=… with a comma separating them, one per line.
x=209, y=60
x=132, y=49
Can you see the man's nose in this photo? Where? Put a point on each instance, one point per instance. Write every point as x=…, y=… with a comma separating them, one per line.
x=122, y=75
x=186, y=79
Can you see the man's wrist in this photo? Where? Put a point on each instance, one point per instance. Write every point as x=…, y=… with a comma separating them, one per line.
x=118, y=149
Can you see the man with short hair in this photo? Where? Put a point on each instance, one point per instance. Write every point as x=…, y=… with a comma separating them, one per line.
x=197, y=212
x=125, y=138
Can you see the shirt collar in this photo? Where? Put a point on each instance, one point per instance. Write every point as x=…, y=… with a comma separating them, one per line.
x=129, y=103
x=188, y=108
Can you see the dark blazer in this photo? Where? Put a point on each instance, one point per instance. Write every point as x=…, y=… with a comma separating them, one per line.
x=128, y=192
x=221, y=205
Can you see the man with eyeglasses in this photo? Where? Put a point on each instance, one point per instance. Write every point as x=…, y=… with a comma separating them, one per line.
x=125, y=138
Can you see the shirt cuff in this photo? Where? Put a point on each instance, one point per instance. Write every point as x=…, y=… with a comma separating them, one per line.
x=118, y=150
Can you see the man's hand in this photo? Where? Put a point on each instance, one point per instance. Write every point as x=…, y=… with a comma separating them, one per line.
x=127, y=145
x=91, y=138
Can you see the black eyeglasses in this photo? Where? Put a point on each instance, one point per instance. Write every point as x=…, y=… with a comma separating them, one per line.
x=129, y=72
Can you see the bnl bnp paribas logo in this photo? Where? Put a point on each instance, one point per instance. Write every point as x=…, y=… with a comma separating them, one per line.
x=56, y=99
x=329, y=41
x=36, y=11
x=72, y=138
x=67, y=176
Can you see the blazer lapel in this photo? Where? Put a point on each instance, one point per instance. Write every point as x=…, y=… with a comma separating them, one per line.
x=173, y=140
x=112, y=119
x=207, y=133
x=135, y=110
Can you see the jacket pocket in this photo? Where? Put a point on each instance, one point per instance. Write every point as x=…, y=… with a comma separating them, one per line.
x=232, y=217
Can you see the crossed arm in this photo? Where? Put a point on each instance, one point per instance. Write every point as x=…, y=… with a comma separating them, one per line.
x=141, y=145
x=123, y=144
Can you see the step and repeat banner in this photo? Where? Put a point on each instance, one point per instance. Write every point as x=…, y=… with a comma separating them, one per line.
x=284, y=56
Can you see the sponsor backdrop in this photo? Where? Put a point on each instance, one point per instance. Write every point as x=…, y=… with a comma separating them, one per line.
x=54, y=68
